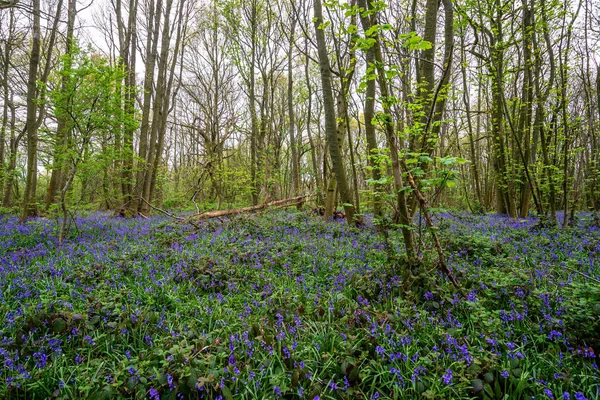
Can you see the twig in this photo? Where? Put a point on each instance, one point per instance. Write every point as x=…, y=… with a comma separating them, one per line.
x=162, y=211
x=580, y=273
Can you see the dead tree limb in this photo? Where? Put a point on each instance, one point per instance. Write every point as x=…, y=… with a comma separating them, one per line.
x=293, y=201
x=423, y=205
x=168, y=214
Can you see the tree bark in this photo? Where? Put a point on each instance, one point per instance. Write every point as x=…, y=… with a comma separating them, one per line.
x=29, y=201
x=154, y=17
x=524, y=128
x=158, y=115
x=402, y=216
x=6, y=96
x=295, y=181
x=129, y=52
x=61, y=128
x=330, y=118
x=370, y=134
x=12, y=157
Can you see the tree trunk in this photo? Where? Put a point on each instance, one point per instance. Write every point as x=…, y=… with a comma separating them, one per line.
x=330, y=117
x=295, y=181
x=313, y=149
x=158, y=116
x=61, y=128
x=155, y=11
x=402, y=216
x=370, y=134
x=129, y=61
x=467, y=104
x=524, y=129
x=12, y=157
x=29, y=201
x=596, y=161
x=254, y=153
x=6, y=96
x=504, y=192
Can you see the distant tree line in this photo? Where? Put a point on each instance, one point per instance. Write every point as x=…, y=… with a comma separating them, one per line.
x=382, y=107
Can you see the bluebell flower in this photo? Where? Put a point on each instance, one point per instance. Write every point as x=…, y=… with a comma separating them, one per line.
x=447, y=377
x=41, y=359
x=153, y=393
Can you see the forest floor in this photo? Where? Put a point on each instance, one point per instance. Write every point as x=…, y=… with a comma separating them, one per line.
x=286, y=305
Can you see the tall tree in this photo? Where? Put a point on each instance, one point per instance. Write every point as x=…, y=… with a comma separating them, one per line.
x=62, y=134
x=29, y=201
x=330, y=116
x=295, y=162
x=370, y=26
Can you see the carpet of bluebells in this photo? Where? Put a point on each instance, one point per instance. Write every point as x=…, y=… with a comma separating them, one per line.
x=284, y=305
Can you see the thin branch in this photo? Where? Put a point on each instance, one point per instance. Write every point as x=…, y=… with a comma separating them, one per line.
x=162, y=211
x=580, y=273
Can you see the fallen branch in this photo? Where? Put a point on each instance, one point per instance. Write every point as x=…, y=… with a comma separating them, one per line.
x=272, y=204
x=175, y=217
x=162, y=211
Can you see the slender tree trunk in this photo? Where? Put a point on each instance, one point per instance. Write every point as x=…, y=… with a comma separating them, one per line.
x=155, y=12
x=540, y=115
x=128, y=150
x=596, y=157
x=524, y=129
x=313, y=149
x=402, y=215
x=370, y=134
x=254, y=153
x=29, y=201
x=564, y=75
x=504, y=193
x=467, y=104
x=6, y=96
x=292, y=123
x=356, y=201
x=426, y=78
x=330, y=118
x=12, y=157
x=61, y=128
x=158, y=116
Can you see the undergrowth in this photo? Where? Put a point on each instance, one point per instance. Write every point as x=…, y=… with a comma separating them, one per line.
x=284, y=305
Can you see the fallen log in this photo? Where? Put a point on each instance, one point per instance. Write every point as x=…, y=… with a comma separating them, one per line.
x=293, y=201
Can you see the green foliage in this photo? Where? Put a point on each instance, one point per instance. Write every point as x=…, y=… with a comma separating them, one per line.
x=90, y=100
x=9, y=210
x=414, y=42
x=88, y=104
x=242, y=306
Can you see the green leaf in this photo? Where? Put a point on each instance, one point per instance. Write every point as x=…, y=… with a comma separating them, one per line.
x=226, y=393
x=324, y=25
x=372, y=30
